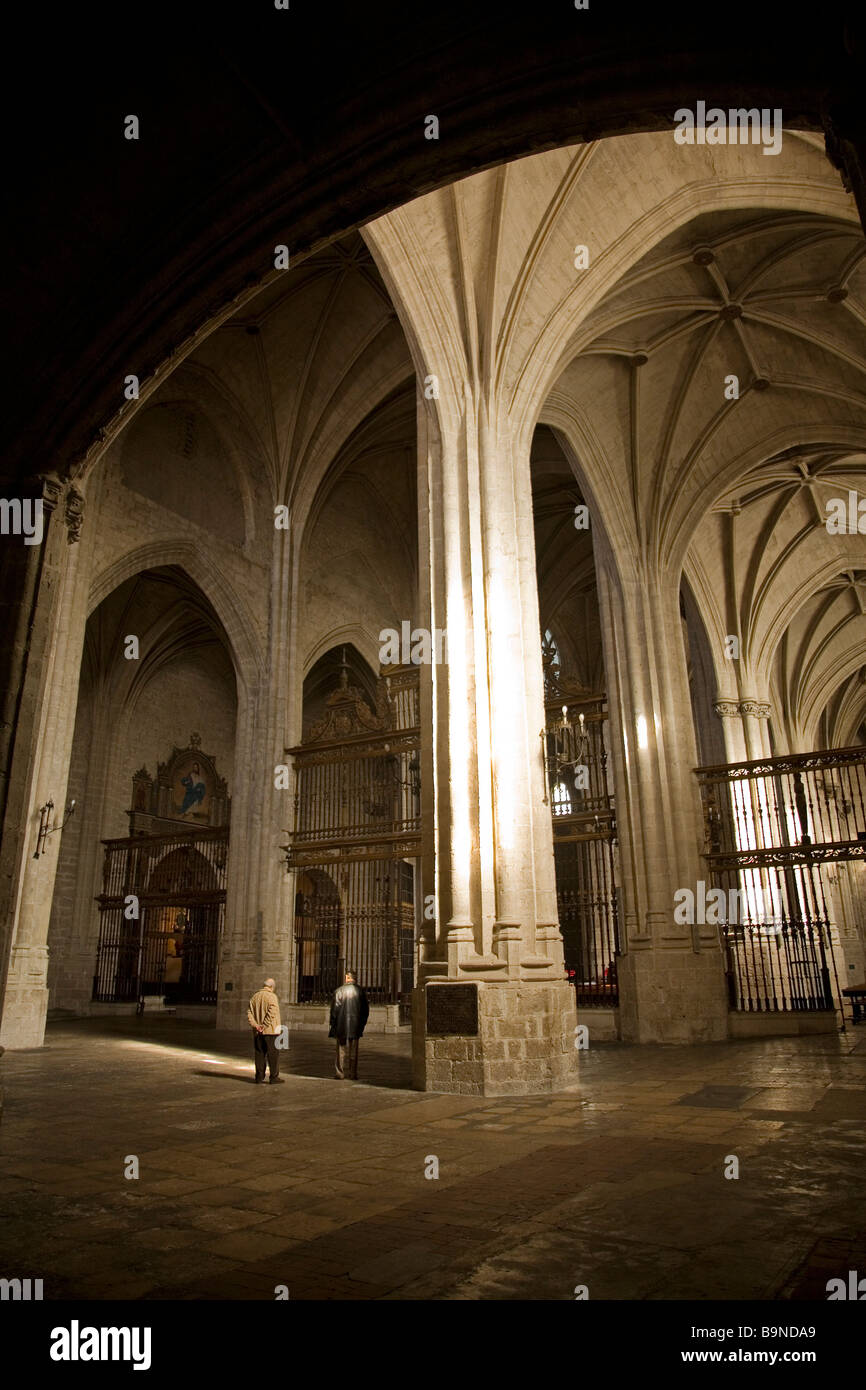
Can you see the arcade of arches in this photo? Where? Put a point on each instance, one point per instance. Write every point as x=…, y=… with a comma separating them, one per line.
x=608, y=487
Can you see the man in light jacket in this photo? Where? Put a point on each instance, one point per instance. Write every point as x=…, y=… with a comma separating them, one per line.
x=349, y=1014
x=264, y=1019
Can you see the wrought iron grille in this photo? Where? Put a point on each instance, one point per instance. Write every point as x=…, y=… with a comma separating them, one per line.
x=161, y=916
x=778, y=940
x=807, y=808
x=357, y=914
x=356, y=836
x=357, y=794
x=584, y=831
x=770, y=828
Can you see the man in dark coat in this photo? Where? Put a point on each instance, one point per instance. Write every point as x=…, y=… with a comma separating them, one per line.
x=349, y=1014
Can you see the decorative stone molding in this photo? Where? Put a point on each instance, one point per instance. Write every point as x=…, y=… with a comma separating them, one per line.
x=74, y=514
x=729, y=709
x=48, y=487
x=755, y=708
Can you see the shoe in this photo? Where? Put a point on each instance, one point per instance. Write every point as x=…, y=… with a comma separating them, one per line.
x=277, y=1081
x=260, y=1081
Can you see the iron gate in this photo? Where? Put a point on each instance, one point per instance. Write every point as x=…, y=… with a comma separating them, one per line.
x=772, y=826
x=777, y=939
x=355, y=842
x=357, y=914
x=584, y=843
x=161, y=917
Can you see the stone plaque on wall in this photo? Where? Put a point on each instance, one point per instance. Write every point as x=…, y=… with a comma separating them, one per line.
x=452, y=1010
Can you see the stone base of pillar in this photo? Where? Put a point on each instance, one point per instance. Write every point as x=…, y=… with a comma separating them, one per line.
x=246, y=977
x=72, y=985
x=672, y=996
x=24, y=1012
x=494, y=1037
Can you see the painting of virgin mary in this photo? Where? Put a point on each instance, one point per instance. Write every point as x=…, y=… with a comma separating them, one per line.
x=195, y=789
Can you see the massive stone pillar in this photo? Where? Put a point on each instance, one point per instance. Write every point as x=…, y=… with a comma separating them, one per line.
x=494, y=1012
x=74, y=931
x=670, y=974
x=38, y=770
x=256, y=937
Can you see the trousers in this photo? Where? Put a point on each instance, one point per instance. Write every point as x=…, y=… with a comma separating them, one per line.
x=265, y=1052
x=346, y=1060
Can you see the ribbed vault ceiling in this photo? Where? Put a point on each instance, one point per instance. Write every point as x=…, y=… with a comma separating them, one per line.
x=732, y=479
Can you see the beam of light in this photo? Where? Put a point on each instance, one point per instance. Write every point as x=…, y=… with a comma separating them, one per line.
x=177, y=1047
x=508, y=715
x=460, y=745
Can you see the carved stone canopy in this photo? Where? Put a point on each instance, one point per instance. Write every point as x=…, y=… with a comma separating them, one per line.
x=187, y=789
x=347, y=714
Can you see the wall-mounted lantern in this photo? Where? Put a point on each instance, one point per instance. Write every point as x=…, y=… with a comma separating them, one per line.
x=45, y=829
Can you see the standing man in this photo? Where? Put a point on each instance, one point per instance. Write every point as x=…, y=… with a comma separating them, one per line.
x=264, y=1018
x=349, y=1014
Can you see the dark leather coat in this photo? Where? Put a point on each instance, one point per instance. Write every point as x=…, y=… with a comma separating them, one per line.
x=349, y=1012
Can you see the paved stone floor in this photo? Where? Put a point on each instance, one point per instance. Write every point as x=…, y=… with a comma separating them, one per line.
x=617, y=1184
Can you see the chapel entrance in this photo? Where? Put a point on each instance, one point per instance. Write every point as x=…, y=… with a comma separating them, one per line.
x=356, y=842
x=163, y=900
x=584, y=842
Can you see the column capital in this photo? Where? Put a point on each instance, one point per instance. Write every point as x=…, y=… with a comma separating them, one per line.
x=730, y=709
x=725, y=709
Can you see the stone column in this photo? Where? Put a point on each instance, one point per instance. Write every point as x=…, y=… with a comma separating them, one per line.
x=40, y=764
x=22, y=644
x=745, y=728
x=256, y=937
x=495, y=1011
x=431, y=957
x=74, y=930
x=670, y=975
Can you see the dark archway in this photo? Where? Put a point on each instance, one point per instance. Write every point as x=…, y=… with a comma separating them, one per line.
x=122, y=774
x=261, y=127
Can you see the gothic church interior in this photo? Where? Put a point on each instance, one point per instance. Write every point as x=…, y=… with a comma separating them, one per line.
x=588, y=415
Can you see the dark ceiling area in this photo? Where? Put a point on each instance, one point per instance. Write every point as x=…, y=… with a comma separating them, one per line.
x=261, y=126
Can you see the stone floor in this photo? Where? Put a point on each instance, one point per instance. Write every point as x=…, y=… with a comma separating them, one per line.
x=617, y=1184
